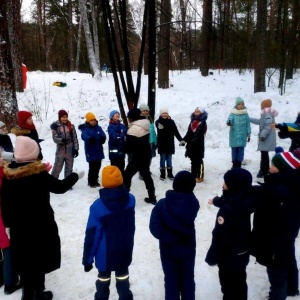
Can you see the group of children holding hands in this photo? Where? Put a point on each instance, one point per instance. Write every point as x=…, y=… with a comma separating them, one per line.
x=109, y=235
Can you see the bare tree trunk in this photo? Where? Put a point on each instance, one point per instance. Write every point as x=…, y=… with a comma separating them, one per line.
x=95, y=67
x=206, y=37
x=260, y=55
x=14, y=30
x=164, y=45
x=70, y=37
x=8, y=99
x=78, y=45
x=95, y=32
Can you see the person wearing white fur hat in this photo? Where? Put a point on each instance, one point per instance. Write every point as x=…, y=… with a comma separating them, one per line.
x=166, y=131
x=29, y=217
x=195, y=142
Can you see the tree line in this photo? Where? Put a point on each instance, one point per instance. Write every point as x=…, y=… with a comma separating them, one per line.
x=152, y=37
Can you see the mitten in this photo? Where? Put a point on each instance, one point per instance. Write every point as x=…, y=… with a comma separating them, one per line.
x=64, y=141
x=248, y=139
x=88, y=268
x=92, y=140
x=75, y=153
x=262, y=138
x=182, y=143
x=229, y=123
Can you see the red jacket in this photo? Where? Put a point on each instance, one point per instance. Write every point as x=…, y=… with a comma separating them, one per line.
x=4, y=240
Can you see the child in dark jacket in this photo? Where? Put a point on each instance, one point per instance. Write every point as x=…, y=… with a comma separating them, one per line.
x=276, y=225
x=5, y=141
x=290, y=130
x=65, y=137
x=230, y=246
x=26, y=127
x=109, y=235
x=172, y=223
x=166, y=131
x=116, y=143
x=94, y=138
x=195, y=142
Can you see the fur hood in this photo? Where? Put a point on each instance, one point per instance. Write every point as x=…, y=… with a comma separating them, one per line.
x=19, y=131
x=19, y=170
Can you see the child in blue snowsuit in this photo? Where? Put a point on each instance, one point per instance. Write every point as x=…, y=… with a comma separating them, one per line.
x=172, y=223
x=109, y=235
x=94, y=138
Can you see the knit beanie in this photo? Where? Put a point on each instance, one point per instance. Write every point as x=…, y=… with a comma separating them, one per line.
x=285, y=161
x=184, y=182
x=238, y=179
x=22, y=117
x=134, y=114
x=144, y=107
x=266, y=103
x=239, y=100
x=201, y=108
x=111, y=177
x=2, y=124
x=62, y=113
x=163, y=110
x=26, y=149
x=90, y=116
x=112, y=113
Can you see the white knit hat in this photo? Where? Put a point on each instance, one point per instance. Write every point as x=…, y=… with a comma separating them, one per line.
x=144, y=107
x=163, y=110
x=1, y=124
x=26, y=149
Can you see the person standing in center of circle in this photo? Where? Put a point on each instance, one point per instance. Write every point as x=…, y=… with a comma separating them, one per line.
x=166, y=131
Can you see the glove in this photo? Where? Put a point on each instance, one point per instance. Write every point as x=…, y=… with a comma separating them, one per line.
x=92, y=140
x=75, y=153
x=248, y=139
x=182, y=143
x=64, y=141
x=229, y=123
x=262, y=138
x=7, y=230
x=88, y=268
x=48, y=166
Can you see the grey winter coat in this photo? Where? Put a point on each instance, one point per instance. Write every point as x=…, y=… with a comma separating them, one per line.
x=266, y=135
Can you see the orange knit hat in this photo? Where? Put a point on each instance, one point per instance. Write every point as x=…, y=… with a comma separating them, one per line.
x=266, y=103
x=111, y=177
x=90, y=116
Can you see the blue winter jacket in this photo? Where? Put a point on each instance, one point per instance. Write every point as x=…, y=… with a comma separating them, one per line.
x=116, y=143
x=172, y=223
x=109, y=235
x=93, y=148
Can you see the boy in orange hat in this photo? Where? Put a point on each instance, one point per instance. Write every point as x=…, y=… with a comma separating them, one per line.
x=109, y=235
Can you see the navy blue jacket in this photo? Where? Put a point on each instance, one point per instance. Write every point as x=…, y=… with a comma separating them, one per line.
x=109, y=235
x=93, y=149
x=276, y=219
x=172, y=222
x=117, y=136
x=230, y=246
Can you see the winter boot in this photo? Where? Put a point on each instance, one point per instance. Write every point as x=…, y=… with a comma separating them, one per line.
x=9, y=289
x=44, y=295
x=170, y=174
x=102, y=287
x=201, y=175
x=162, y=174
x=151, y=199
x=27, y=293
x=123, y=289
